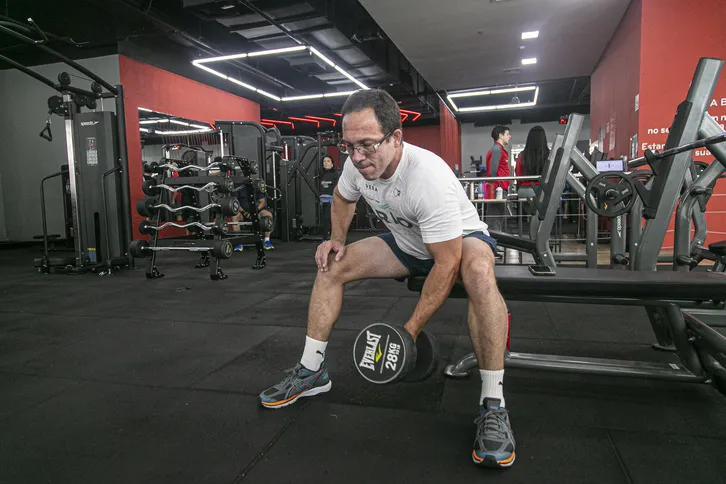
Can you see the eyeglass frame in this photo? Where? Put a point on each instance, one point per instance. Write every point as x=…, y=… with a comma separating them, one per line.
x=359, y=147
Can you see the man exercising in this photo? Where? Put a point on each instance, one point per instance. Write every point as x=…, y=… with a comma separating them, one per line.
x=435, y=231
x=245, y=215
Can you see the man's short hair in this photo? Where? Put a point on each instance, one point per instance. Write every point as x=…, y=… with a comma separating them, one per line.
x=384, y=106
x=499, y=130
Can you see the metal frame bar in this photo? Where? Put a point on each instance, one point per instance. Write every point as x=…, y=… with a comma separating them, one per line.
x=670, y=173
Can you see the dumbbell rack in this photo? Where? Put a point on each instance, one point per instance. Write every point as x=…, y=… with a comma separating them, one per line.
x=212, y=240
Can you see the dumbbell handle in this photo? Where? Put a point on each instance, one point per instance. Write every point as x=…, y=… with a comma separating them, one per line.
x=179, y=209
x=209, y=187
x=209, y=167
x=180, y=226
x=187, y=249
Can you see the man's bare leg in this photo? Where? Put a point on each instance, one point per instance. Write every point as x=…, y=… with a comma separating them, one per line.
x=487, y=311
x=494, y=444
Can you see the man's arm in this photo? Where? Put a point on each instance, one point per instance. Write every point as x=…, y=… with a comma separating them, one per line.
x=447, y=260
x=341, y=214
x=496, y=158
x=261, y=204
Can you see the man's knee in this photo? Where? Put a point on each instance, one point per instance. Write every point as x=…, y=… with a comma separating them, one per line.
x=339, y=272
x=478, y=274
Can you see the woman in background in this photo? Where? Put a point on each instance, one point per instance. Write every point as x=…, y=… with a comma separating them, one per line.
x=531, y=161
x=328, y=179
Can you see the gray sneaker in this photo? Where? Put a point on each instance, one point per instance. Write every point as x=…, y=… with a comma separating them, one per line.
x=299, y=382
x=494, y=443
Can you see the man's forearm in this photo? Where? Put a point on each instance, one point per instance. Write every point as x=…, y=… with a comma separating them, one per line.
x=341, y=214
x=435, y=291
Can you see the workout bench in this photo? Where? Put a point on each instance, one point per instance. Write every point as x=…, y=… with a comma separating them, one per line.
x=666, y=295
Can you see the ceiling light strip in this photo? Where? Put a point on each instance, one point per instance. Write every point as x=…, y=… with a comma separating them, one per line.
x=323, y=119
x=317, y=123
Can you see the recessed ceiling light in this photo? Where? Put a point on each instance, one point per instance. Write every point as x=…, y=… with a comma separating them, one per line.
x=530, y=61
x=227, y=7
x=530, y=35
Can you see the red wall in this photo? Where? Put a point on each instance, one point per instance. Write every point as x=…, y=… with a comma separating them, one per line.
x=615, y=83
x=156, y=89
x=428, y=137
x=450, y=137
x=668, y=62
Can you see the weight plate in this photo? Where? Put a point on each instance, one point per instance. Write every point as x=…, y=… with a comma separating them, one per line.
x=96, y=87
x=427, y=358
x=383, y=353
x=610, y=194
x=229, y=206
x=266, y=223
x=222, y=249
x=149, y=187
x=226, y=185
x=137, y=248
x=64, y=78
x=145, y=227
x=221, y=227
x=145, y=207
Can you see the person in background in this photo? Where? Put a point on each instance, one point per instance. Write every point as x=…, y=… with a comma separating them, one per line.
x=497, y=165
x=531, y=161
x=245, y=215
x=328, y=181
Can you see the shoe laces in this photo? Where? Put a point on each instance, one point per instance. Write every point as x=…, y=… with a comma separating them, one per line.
x=494, y=423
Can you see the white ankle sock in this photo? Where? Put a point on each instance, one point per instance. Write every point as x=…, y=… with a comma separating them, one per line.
x=313, y=354
x=492, y=385
x=267, y=239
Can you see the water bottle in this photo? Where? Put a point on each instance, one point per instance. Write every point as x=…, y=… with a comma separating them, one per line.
x=499, y=193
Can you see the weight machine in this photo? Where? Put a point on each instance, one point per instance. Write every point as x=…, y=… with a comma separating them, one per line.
x=97, y=163
x=300, y=185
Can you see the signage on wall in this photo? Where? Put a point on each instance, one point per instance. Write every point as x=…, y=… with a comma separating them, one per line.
x=637, y=102
x=654, y=138
x=634, y=146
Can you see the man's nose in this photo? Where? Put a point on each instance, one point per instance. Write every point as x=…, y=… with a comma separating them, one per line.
x=357, y=157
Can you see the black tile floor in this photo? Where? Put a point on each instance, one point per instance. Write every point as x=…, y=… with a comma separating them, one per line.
x=120, y=379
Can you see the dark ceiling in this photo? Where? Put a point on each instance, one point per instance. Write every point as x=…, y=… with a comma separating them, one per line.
x=171, y=33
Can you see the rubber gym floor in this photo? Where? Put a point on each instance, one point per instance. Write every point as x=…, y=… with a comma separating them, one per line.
x=119, y=379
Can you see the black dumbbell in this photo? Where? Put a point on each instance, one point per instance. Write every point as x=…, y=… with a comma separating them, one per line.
x=138, y=248
x=220, y=227
x=145, y=207
x=266, y=224
x=230, y=206
x=384, y=353
x=226, y=185
x=145, y=227
x=149, y=187
x=222, y=249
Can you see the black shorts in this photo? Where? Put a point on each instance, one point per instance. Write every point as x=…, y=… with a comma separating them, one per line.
x=422, y=267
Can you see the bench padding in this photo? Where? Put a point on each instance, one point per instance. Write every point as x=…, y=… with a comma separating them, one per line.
x=517, y=281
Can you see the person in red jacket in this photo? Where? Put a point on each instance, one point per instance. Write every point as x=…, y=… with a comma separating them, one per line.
x=497, y=164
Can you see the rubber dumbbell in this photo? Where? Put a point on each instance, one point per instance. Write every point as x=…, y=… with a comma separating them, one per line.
x=222, y=249
x=226, y=185
x=230, y=206
x=146, y=207
x=145, y=227
x=138, y=248
x=385, y=353
x=149, y=187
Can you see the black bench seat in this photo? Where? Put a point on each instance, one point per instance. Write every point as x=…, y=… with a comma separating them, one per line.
x=516, y=282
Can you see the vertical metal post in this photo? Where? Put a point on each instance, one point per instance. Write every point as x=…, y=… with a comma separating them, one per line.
x=591, y=237
x=123, y=163
x=78, y=234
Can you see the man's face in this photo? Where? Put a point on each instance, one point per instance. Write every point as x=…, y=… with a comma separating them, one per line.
x=505, y=137
x=362, y=129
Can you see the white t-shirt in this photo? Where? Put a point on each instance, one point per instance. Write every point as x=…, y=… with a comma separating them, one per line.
x=423, y=202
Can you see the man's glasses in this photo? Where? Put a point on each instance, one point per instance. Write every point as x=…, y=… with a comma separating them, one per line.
x=364, y=149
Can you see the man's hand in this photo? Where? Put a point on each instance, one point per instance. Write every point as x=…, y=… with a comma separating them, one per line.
x=324, y=250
